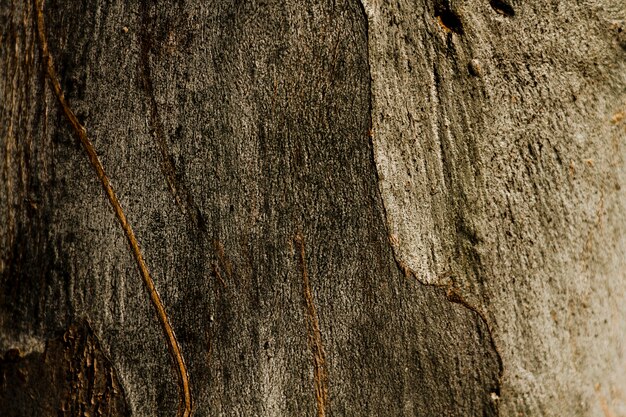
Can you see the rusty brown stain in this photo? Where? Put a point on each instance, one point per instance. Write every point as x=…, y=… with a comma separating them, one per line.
x=216, y=272
x=605, y=407
x=221, y=255
x=174, y=348
x=320, y=374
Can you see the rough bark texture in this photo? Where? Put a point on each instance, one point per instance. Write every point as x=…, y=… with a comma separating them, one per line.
x=72, y=377
x=347, y=208
x=499, y=139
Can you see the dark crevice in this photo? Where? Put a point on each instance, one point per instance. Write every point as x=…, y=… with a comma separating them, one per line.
x=183, y=197
x=502, y=7
x=448, y=18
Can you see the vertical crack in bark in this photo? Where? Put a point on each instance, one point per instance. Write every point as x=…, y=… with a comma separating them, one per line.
x=174, y=348
x=451, y=292
x=182, y=196
x=320, y=374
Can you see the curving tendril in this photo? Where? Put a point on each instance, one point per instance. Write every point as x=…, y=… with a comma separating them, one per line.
x=184, y=409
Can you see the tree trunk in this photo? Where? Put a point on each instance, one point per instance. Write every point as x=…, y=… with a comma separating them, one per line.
x=343, y=207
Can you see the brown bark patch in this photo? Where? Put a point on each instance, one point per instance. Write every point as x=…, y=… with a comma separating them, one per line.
x=72, y=377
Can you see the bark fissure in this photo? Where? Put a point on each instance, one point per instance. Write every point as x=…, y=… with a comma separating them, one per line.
x=183, y=197
x=81, y=132
x=314, y=335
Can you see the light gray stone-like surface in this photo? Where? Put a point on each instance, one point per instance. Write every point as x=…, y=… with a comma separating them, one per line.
x=499, y=140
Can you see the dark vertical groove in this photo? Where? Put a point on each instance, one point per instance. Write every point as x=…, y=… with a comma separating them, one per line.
x=183, y=197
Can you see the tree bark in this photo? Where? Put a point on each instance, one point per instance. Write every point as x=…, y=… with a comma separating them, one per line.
x=344, y=207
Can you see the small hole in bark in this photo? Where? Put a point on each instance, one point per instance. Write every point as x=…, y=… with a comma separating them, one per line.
x=621, y=37
x=450, y=20
x=502, y=7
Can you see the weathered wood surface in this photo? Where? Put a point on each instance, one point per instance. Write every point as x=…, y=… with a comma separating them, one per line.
x=348, y=209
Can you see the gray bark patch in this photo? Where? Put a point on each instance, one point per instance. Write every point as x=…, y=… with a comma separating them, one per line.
x=496, y=131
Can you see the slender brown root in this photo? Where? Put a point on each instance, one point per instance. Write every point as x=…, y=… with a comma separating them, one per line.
x=174, y=348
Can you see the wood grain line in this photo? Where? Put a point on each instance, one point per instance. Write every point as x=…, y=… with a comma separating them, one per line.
x=320, y=374
x=175, y=351
x=181, y=193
